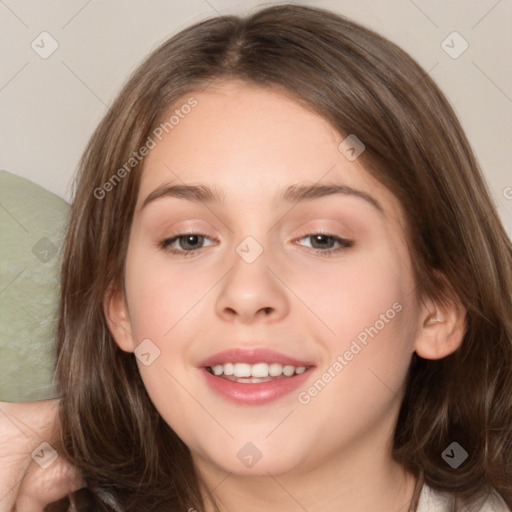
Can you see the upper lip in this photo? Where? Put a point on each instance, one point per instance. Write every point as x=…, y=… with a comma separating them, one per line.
x=252, y=356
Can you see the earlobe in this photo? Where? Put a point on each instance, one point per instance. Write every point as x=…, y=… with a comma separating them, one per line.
x=442, y=329
x=118, y=319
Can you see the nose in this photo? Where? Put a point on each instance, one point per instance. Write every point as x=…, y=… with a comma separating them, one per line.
x=252, y=292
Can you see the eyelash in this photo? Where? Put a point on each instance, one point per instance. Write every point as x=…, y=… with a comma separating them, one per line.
x=165, y=244
x=344, y=243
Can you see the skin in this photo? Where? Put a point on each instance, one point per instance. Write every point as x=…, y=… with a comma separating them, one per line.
x=24, y=485
x=333, y=452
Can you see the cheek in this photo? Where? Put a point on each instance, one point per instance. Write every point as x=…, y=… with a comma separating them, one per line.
x=160, y=296
x=370, y=310
x=163, y=306
x=375, y=326
x=361, y=292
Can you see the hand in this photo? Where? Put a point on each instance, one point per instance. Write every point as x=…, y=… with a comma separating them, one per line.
x=25, y=486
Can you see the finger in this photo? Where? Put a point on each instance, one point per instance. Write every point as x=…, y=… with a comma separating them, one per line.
x=40, y=487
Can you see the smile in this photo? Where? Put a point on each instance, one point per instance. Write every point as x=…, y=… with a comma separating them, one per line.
x=255, y=373
x=254, y=376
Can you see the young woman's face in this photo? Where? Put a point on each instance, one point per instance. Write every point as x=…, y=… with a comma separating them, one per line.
x=252, y=281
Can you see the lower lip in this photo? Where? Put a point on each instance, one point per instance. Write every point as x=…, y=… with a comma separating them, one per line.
x=255, y=394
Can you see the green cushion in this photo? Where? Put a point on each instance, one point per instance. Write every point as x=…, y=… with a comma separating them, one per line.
x=32, y=227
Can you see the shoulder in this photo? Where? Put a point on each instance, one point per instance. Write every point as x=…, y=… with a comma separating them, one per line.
x=437, y=501
x=434, y=501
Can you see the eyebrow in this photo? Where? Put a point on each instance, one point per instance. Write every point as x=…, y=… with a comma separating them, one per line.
x=292, y=194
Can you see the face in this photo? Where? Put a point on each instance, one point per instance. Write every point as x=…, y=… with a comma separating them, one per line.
x=318, y=292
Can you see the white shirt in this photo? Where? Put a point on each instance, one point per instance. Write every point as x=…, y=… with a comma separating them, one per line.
x=436, y=501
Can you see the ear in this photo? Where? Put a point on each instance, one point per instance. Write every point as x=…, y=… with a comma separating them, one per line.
x=118, y=318
x=442, y=328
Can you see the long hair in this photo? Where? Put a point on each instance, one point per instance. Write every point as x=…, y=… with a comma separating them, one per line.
x=362, y=84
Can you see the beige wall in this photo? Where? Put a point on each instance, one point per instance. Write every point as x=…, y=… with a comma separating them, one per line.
x=49, y=106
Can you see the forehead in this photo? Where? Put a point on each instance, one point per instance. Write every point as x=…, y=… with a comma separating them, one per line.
x=250, y=143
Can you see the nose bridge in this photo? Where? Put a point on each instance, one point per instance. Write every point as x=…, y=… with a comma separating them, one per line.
x=251, y=289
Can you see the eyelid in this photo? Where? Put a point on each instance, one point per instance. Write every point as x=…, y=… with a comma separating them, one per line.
x=165, y=243
x=343, y=243
x=324, y=231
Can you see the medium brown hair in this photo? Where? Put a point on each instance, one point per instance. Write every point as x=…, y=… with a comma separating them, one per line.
x=362, y=84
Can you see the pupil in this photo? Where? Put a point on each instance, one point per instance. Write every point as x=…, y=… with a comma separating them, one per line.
x=319, y=238
x=189, y=240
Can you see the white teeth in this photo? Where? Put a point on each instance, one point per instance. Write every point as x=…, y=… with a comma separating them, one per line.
x=275, y=369
x=289, y=370
x=242, y=370
x=258, y=370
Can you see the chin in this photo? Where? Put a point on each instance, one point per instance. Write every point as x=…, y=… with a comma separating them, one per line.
x=254, y=459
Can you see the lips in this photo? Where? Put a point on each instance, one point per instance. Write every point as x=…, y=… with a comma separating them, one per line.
x=252, y=356
x=248, y=389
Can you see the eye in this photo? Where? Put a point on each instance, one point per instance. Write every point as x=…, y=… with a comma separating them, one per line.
x=189, y=243
x=324, y=243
